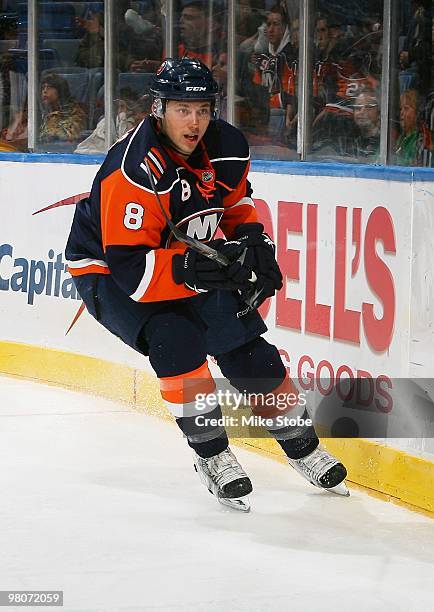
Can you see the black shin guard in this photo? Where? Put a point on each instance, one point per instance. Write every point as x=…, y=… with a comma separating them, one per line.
x=205, y=449
x=203, y=436
x=296, y=448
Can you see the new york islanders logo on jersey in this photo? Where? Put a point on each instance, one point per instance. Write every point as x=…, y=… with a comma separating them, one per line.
x=201, y=225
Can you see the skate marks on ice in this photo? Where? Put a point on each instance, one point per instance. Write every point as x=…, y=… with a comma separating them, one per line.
x=104, y=504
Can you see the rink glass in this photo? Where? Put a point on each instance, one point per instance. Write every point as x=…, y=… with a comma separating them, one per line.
x=202, y=32
x=362, y=94
x=346, y=81
x=266, y=84
x=412, y=101
x=70, y=67
x=13, y=76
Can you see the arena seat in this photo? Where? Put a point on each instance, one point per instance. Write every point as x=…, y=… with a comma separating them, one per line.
x=56, y=20
x=67, y=49
x=47, y=59
x=139, y=82
x=5, y=45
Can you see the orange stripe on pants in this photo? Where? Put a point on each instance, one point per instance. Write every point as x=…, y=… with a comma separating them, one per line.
x=267, y=405
x=184, y=388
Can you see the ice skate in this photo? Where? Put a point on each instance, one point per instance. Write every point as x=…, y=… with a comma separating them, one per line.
x=225, y=478
x=322, y=470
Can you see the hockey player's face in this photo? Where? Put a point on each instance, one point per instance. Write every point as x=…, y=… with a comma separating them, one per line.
x=185, y=123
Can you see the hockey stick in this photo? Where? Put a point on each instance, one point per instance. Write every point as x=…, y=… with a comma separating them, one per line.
x=200, y=247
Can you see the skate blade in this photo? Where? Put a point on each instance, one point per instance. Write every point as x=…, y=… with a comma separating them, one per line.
x=340, y=489
x=241, y=504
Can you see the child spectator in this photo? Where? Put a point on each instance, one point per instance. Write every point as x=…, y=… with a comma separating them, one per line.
x=63, y=119
x=414, y=145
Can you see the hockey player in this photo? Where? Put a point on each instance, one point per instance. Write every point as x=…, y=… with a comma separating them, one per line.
x=172, y=303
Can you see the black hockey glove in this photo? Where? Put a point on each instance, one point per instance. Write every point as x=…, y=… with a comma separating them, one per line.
x=261, y=258
x=201, y=274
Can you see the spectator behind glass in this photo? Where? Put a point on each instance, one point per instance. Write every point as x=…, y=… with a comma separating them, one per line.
x=355, y=74
x=250, y=35
x=334, y=128
x=249, y=18
x=334, y=133
x=295, y=34
x=414, y=144
x=250, y=22
x=63, y=119
x=273, y=91
x=131, y=109
x=145, y=38
x=328, y=51
x=291, y=117
x=14, y=137
x=8, y=31
x=194, y=29
x=367, y=119
x=329, y=41
x=322, y=37
x=91, y=50
x=416, y=56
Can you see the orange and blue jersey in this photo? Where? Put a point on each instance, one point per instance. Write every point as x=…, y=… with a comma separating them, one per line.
x=121, y=230
x=277, y=74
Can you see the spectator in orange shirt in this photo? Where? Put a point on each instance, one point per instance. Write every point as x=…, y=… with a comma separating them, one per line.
x=199, y=38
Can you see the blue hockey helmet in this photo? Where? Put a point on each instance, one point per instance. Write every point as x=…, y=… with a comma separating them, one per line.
x=184, y=79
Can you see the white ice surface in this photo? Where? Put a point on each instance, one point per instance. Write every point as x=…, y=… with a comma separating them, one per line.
x=103, y=503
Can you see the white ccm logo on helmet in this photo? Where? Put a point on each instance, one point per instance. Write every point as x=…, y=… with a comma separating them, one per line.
x=195, y=88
